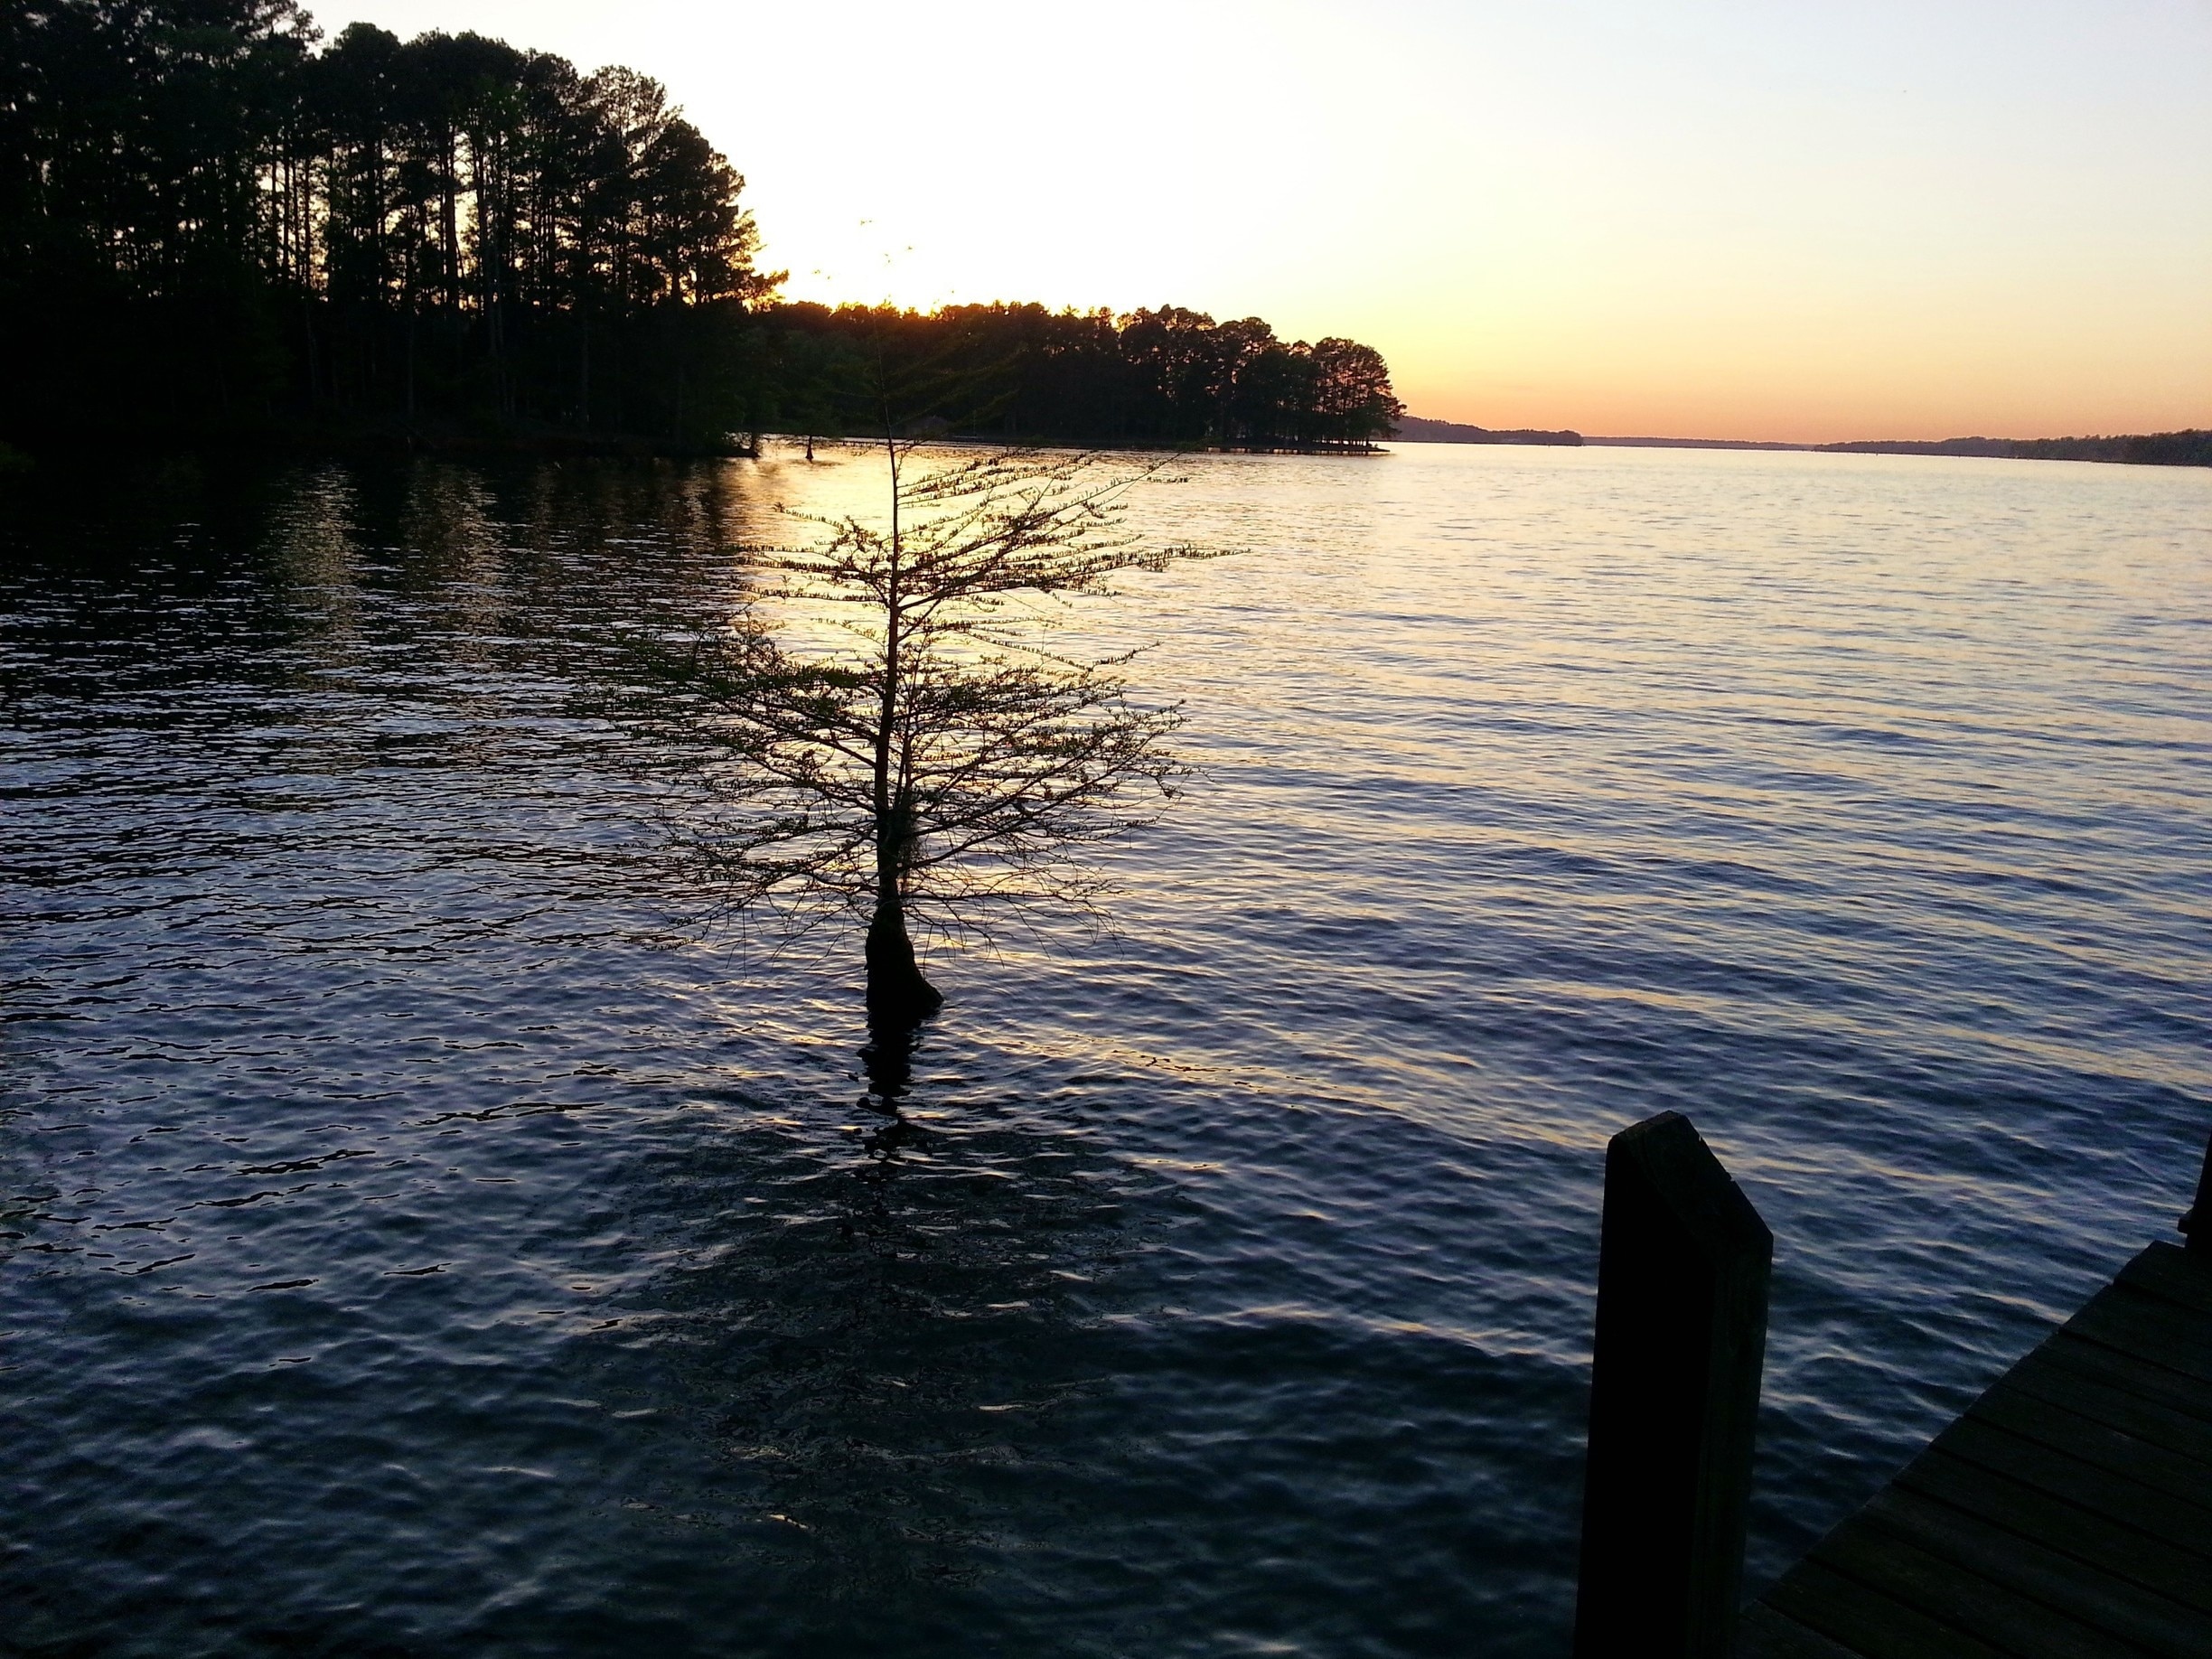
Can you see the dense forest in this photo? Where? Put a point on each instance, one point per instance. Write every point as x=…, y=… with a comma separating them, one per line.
x=1165, y=377
x=214, y=222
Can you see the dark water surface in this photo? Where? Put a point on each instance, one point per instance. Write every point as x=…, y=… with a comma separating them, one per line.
x=409, y=1248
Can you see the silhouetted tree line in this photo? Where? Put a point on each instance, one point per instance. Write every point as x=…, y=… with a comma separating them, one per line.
x=205, y=219
x=1168, y=378
x=212, y=220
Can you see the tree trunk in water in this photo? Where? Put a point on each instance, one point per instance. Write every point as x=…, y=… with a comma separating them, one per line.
x=895, y=987
x=583, y=380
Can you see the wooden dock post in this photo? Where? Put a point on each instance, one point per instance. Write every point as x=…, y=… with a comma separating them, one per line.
x=1681, y=1336
x=2198, y=1222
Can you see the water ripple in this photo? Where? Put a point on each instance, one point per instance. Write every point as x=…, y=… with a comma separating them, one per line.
x=415, y=1240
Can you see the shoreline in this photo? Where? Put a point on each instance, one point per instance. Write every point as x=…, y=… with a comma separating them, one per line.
x=550, y=443
x=2188, y=447
x=2191, y=447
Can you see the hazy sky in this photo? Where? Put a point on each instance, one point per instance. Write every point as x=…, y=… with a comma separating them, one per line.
x=1748, y=219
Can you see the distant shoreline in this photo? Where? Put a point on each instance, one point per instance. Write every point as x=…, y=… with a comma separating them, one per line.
x=1678, y=443
x=2187, y=448
x=2191, y=447
x=1413, y=429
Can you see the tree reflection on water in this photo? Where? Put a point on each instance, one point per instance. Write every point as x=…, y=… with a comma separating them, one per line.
x=890, y=1339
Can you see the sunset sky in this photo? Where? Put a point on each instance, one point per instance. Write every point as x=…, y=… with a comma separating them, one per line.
x=1756, y=219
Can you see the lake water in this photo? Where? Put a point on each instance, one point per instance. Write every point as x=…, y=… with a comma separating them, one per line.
x=420, y=1240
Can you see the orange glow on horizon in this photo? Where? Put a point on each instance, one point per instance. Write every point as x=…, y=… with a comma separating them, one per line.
x=1706, y=220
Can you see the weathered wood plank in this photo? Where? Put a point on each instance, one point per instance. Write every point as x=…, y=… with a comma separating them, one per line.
x=2121, y=1616
x=2144, y=1380
x=1765, y=1634
x=1865, y=1619
x=2107, y=1615
x=1874, y=1556
x=2177, y=1275
x=2159, y=1499
x=2124, y=1551
x=2148, y=1328
x=2020, y=1413
x=2045, y=1376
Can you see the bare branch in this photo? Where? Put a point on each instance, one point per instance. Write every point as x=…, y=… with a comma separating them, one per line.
x=884, y=728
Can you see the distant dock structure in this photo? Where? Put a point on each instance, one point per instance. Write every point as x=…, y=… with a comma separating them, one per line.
x=2067, y=1515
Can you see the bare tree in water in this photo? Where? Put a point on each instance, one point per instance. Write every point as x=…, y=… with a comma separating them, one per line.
x=894, y=735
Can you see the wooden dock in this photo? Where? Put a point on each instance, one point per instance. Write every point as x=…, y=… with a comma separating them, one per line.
x=2067, y=1513
x=2066, y=1516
